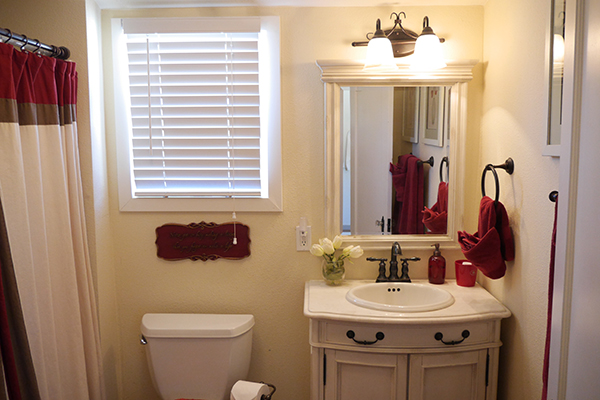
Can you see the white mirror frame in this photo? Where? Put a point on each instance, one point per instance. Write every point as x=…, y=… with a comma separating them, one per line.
x=338, y=73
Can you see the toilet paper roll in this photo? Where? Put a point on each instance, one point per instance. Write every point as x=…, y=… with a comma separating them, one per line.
x=244, y=390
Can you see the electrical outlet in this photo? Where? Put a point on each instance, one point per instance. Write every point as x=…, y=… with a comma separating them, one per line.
x=303, y=241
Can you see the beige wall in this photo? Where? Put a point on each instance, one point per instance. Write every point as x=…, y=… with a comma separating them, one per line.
x=270, y=283
x=507, y=35
x=103, y=241
x=514, y=125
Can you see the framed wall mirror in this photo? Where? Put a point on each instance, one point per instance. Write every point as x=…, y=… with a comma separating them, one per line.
x=378, y=125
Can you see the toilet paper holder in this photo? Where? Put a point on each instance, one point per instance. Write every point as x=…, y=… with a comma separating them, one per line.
x=268, y=396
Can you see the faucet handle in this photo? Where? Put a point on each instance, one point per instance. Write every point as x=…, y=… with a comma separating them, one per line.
x=404, y=277
x=381, y=277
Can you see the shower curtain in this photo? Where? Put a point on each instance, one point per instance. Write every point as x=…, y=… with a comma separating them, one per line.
x=42, y=201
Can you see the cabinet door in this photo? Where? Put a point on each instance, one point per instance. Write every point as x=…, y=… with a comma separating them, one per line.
x=361, y=376
x=448, y=376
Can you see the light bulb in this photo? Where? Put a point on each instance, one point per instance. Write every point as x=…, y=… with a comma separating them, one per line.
x=380, y=54
x=428, y=50
x=559, y=48
x=428, y=53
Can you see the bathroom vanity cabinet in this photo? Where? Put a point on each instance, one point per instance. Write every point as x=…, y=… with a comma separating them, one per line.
x=449, y=354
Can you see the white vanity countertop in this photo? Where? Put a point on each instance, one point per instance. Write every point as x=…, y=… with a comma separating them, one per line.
x=471, y=304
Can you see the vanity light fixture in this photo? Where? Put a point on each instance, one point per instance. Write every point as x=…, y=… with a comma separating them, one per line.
x=379, y=51
x=384, y=45
x=428, y=50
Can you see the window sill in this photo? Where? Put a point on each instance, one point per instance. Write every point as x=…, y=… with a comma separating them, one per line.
x=200, y=205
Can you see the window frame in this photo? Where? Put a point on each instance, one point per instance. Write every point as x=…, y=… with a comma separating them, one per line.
x=270, y=116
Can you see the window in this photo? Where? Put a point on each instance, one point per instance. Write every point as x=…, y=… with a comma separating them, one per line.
x=197, y=113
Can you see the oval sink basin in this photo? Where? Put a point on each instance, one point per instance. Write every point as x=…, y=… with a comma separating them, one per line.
x=400, y=297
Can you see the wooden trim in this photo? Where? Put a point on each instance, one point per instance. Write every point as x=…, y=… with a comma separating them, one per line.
x=351, y=72
x=569, y=171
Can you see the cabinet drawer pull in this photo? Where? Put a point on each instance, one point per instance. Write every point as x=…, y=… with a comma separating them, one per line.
x=439, y=336
x=378, y=336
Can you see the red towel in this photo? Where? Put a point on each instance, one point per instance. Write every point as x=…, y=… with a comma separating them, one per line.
x=493, y=215
x=484, y=253
x=546, y=368
x=493, y=243
x=436, y=218
x=407, y=178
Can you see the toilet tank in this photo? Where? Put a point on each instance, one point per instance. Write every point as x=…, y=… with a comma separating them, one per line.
x=197, y=356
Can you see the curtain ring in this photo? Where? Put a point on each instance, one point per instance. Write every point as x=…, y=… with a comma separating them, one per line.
x=38, y=44
x=490, y=167
x=24, y=43
x=9, y=37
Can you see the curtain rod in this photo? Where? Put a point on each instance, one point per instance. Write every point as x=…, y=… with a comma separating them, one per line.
x=57, y=52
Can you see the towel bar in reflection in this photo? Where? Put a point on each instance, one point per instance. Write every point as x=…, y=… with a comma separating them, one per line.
x=430, y=161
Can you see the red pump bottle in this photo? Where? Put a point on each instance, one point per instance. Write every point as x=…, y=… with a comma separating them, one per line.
x=437, y=266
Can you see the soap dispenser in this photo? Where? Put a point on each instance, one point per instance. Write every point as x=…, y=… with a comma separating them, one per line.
x=437, y=266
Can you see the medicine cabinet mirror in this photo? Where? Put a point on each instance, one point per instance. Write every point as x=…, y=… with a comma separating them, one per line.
x=373, y=118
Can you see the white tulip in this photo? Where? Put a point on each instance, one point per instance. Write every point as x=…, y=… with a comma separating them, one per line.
x=327, y=246
x=346, y=251
x=356, y=252
x=337, y=242
x=316, y=250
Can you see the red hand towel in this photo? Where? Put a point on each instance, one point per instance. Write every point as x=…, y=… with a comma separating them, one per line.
x=493, y=243
x=436, y=218
x=484, y=253
x=398, y=171
x=407, y=178
x=493, y=215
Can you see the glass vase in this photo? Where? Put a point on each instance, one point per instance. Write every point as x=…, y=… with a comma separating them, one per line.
x=333, y=272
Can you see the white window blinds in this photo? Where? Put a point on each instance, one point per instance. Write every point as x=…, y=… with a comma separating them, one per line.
x=195, y=117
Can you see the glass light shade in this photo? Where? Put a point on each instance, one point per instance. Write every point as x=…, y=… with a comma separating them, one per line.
x=380, y=54
x=428, y=53
x=559, y=48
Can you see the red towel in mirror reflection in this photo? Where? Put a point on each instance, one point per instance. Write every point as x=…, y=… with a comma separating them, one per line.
x=493, y=243
x=436, y=217
x=407, y=178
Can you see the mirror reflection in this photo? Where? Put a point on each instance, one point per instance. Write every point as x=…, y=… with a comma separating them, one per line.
x=395, y=150
x=557, y=58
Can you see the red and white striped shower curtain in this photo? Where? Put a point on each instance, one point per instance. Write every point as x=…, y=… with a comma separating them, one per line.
x=42, y=202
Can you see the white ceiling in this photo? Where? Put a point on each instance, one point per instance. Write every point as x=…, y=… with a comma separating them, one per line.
x=121, y=4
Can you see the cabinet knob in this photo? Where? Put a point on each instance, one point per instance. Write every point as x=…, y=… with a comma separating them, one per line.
x=378, y=336
x=440, y=336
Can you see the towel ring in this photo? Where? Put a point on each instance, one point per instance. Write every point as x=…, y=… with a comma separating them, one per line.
x=487, y=168
x=444, y=160
x=508, y=166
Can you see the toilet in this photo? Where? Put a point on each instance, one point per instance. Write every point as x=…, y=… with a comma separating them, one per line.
x=197, y=356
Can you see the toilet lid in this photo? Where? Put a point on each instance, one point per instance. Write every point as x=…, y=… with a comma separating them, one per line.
x=196, y=325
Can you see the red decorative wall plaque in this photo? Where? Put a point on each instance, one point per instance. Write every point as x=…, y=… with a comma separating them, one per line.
x=203, y=241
